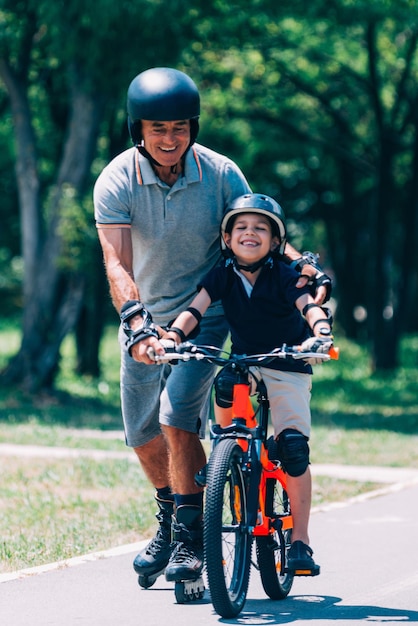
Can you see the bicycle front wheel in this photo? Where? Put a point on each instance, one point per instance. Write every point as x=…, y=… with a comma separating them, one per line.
x=226, y=535
x=272, y=550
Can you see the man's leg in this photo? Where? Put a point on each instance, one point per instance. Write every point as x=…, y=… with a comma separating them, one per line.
x=152, y=560
x=183, y=412
x=141, y=387
x=154, y=460
x=186, y=458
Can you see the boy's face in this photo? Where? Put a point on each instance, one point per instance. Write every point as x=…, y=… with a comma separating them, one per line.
x=166, y=141
x=251, y=238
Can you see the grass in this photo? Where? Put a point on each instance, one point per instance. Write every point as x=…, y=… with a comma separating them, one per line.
x=53, y=509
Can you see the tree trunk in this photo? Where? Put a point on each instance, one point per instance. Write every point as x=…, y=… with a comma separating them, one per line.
x=92, y=317
x=57, y=295
x=27, y=176
x=383, y=332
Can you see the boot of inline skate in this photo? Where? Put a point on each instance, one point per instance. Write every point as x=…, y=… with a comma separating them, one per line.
x=186, y=560
x=153, y=559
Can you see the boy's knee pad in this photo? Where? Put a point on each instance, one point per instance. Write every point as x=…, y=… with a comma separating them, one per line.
x=293, y=452
x=224, y=387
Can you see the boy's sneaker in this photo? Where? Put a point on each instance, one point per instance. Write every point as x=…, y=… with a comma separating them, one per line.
x=186, y=560
x=299, y=557
x=153, y=559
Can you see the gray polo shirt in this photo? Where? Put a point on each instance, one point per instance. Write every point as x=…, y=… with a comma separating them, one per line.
x=175, y=230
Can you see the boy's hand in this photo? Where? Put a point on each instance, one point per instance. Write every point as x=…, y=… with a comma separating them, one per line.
x=321, y=345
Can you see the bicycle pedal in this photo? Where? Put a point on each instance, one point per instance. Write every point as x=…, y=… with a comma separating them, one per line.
x=314, y=571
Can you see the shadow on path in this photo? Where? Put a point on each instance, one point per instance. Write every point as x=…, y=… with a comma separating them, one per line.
x=320, y=608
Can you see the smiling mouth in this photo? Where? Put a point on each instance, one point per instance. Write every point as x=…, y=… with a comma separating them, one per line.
x=250, y=244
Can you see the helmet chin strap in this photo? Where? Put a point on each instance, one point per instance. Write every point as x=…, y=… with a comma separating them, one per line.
x=266, y=260
x=147, y=155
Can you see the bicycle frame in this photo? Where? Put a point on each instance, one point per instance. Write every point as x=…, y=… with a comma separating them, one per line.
x=251, y=435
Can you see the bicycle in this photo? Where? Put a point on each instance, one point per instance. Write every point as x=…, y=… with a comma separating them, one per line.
x=246, y=495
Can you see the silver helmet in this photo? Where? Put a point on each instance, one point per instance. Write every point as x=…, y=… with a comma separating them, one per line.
x=256, y=203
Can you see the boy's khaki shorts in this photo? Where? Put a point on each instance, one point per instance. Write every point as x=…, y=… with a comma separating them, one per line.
x=289, y=394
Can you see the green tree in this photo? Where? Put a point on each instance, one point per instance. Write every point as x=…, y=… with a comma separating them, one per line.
x=324, y=100
x=66, y=67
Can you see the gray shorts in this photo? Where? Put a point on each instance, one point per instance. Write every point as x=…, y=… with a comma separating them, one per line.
x=177, y=395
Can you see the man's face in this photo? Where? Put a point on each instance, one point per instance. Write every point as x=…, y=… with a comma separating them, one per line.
x=166, y=141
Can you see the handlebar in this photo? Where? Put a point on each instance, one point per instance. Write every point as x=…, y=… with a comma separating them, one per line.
x=186, y=351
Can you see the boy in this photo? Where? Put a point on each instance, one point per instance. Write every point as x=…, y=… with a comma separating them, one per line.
x=263, y=308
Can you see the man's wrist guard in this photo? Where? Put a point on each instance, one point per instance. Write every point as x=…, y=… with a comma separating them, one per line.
x=320, y=279
x=129, y=310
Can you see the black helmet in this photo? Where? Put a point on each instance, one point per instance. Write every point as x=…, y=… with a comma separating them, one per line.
x=256, y=203
x=162, y=94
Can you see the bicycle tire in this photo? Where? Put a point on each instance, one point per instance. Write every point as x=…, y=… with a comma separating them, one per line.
x=227, y=538
x=272, y=550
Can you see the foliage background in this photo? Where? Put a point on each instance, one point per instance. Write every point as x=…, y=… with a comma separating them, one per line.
x=317, y=104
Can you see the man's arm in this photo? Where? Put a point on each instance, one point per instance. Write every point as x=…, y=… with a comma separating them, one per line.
x=116, y=244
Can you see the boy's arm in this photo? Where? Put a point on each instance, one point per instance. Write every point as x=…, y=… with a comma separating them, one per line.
x=322, y=340
x=314, y=315
x=187, y=321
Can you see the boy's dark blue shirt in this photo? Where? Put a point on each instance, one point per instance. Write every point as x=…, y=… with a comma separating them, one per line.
x=268, y=317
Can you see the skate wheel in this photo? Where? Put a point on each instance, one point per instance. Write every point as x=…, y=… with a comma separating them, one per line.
x=146, y=581
x=180, y=593
x=189, y=590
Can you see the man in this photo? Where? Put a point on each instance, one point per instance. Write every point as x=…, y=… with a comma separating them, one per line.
x=158, y=207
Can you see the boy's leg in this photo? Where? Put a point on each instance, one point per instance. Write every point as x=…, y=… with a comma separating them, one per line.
x=289, y=396
x=299, y=489
x=223, y=416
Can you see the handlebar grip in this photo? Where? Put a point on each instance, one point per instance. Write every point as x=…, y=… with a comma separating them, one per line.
x=334, y=353
x=151, y=353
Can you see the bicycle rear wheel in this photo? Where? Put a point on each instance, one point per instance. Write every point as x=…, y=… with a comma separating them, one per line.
x=226, y=536
x=272, y=550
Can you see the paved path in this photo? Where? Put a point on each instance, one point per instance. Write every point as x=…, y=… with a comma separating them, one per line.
x=367, y=548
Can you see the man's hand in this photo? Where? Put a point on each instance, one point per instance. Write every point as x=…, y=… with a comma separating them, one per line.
x=146, y=350
x=140, y=351
x=321, y=294
x=312, y=274
x=320, y=345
